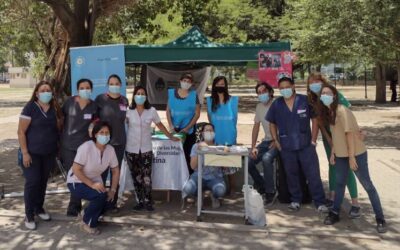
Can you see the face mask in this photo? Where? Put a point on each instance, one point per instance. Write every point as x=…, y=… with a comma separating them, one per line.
x=316, y=87
x=140, y=99
x=326, y=99
x=220, y=89
x=84, y=93
x=45, y=97
x=208, y=136
x=114, y=89
x=103, y=139
x=185, y=85
x=286, y=93
x=264, y=98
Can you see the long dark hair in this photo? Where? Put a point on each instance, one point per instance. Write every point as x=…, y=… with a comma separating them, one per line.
x=146, y=103
x=53, y=103
x=214, y=94
x=328, y=115
x=313, y=99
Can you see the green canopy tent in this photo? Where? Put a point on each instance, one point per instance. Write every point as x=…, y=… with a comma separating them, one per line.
x=194, y=48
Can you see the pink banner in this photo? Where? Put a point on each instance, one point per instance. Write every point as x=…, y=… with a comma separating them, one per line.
x=274, y=65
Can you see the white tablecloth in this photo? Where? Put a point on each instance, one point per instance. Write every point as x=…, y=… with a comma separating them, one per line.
x=170, y=170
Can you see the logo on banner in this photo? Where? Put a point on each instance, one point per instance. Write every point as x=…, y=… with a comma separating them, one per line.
x=160, y=84
x=80, y=60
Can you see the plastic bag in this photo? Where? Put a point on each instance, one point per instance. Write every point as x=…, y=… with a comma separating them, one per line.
x=255, y=207
x=125, y=179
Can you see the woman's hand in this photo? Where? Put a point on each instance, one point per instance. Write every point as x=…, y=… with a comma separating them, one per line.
x=254, y=153
x=332, y=159
x=110, y=195
x=353, y=163
x=277, y=145
x=173, y=138
x=99, y=187
x=26, y=159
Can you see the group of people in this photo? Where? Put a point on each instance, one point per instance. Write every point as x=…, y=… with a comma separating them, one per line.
x=288, y=133
x=94, y=136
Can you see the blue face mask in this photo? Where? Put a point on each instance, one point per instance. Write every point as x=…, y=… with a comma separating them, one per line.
x=103, y=139
x=326, y=100
x=140, y=99
x=85, y=93
x=264, y=98
x=316, y=87
x=286, y=93
x=114, y=89
x=45, y=97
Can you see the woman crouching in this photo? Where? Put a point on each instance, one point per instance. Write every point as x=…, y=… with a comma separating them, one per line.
x=84, y=178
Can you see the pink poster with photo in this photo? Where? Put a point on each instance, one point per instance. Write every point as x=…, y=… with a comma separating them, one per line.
x=274, y=65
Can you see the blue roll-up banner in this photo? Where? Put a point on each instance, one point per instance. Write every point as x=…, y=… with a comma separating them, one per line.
x=97, y=63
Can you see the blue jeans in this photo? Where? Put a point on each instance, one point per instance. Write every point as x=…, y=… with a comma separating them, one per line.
x=267, y=156
x=342, y=169
x=305, y=160
x=216, y=185
x=97, y=205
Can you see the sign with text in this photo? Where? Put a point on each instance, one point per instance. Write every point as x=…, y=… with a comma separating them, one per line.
x=97, y=63
x=170, y=170
x=274, y=65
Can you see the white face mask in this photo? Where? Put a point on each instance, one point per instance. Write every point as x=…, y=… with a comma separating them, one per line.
x=186, y=85
x=208, y=136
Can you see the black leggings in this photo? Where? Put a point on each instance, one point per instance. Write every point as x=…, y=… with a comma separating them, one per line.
x=187, y=148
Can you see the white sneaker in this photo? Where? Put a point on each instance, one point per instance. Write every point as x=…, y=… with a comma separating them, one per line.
x=31, y=225
x=215, y=203
x=44, y=216
x=294, y=206
x=323, y=209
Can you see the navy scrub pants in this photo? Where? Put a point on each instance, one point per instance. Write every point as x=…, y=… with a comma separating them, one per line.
x=97, y=202
x=305, y=160
x=36, y=176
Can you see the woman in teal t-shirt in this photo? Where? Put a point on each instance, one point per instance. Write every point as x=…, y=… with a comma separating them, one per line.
x=314, y=84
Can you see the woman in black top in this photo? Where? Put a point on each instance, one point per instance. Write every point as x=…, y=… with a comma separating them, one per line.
x=79, y=112
x=38, y=135
x=112, y=108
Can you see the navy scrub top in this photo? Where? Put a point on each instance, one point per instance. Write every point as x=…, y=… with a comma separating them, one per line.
x=76, y=123
x=42, y=134
x=293, y=126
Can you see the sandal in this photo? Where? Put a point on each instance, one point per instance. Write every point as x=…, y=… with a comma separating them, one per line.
x=89, y=230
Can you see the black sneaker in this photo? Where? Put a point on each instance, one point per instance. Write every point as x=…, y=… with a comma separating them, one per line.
x=270, y=198
x=381, y=226
x=72, y=213
x=331, y=219
x=329, y=203
x=138, y=207
x=355, y=212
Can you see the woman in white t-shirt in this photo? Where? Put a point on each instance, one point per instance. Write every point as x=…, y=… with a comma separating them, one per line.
x=139, y=152
x=84, y=178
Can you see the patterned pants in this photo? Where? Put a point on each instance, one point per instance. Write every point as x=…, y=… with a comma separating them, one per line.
x=140, y=166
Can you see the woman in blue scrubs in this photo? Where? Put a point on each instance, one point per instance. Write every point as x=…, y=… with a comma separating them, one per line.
x=289, y=118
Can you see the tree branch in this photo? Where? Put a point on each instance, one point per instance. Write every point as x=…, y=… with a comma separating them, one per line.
x=63, y=12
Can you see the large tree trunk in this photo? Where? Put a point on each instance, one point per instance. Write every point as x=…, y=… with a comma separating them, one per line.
x=380, y=77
